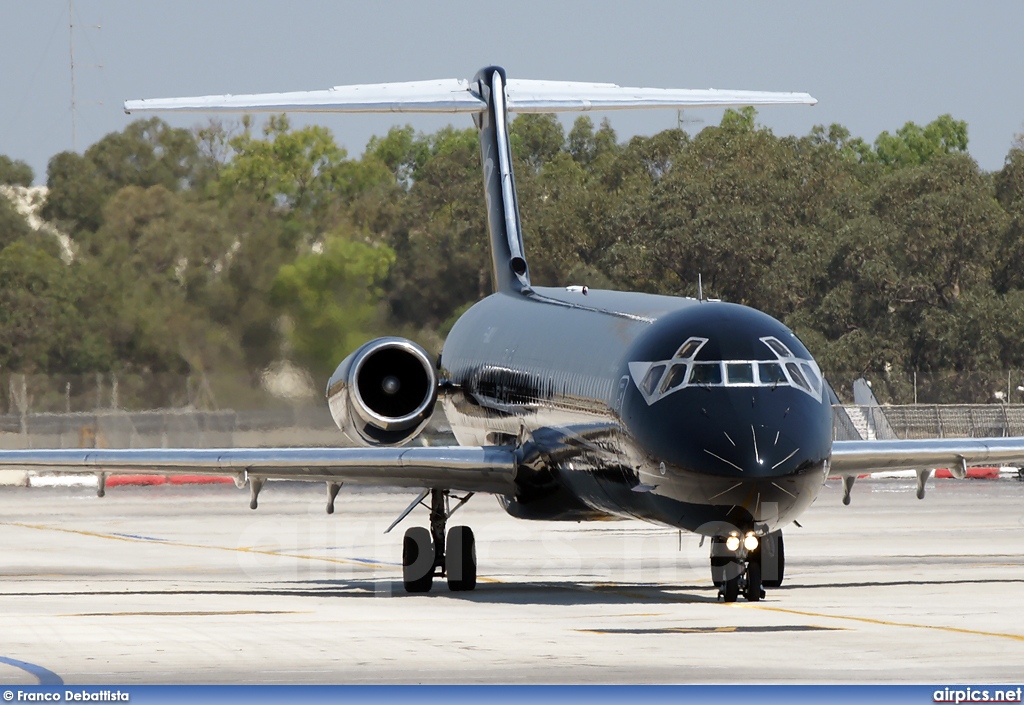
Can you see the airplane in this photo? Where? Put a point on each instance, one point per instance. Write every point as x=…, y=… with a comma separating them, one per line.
x=569, y=403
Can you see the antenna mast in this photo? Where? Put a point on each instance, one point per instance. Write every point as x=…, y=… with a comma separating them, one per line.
x=71, y=51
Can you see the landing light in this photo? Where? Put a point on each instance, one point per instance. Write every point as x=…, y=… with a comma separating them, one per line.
x=732, y=543
x=750, y=542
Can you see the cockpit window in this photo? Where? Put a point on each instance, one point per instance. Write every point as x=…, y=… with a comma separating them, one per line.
x=706, y=373
x=782, y=368
x=675, y=377
x=739, y=372
x=652, y=379
x=797, y=376
x=777, y=347
x=688, y=349
x=771, y=373
x=811, y=376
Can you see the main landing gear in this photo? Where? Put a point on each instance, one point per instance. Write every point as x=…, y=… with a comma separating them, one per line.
x=746, y=565
x=426, y=553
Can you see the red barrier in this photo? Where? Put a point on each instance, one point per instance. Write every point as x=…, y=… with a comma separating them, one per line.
x=973, y=473
x=118, y=480
x=199, y=480
x=942, y=473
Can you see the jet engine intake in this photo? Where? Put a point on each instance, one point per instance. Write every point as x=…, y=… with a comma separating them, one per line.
x=383, y=393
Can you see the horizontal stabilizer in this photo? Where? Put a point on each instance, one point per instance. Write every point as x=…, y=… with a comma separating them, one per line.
x=441, y=96
x=526, y=96
x=457, y=96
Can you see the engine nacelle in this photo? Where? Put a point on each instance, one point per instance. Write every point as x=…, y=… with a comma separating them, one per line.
x=384, y=393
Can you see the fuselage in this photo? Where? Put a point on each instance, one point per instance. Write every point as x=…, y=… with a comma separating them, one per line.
x=700, y=415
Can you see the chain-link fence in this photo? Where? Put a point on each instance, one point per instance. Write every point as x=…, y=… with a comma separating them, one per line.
x=280, y=388
x=117, y=411
x=944, y=387
x=928, y=421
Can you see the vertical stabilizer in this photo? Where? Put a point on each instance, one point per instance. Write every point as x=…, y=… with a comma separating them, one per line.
x=508, y=263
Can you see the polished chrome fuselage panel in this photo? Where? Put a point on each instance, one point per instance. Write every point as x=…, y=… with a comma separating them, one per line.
x=551, y=371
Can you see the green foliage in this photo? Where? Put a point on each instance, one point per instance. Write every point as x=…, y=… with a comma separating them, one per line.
x=1009, y=182
x=913, y=145
x=438, y=231
x=742, y=120
x=331, y=297
x=837, y=138
x=76, y=193
x=401, y=152
x=15, y=172
x=536, y=138
x=231, y=247
x=297, y=170
x=43, y=324
x=13, y=226
x=147, y=153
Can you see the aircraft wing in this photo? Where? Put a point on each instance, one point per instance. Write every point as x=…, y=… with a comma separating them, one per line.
x=451, y=95
x=489, y=469
x=852, y=458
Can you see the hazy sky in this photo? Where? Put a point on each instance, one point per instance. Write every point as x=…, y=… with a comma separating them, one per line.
x=872, y=65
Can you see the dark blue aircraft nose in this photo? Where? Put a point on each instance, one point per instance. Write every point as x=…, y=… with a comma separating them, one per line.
x=755, y=433
x=733, y=410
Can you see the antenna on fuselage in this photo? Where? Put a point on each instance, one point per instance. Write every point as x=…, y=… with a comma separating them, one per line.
x=700, y=288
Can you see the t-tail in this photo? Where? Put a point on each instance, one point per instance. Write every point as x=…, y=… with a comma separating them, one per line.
x=489, y=97
x=507, y=259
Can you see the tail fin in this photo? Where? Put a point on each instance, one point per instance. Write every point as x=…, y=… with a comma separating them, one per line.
x=490, y=96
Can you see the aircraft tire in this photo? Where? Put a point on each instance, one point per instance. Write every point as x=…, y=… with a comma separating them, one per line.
x=460, y=559
x=731, y=589
x=417, y=560
x=780, y=552
x=753, y=588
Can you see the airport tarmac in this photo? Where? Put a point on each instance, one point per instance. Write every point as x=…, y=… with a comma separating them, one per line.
x=175, y=584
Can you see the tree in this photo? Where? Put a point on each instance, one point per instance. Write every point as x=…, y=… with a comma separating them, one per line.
x=13, y=225
x=146, y=153
x=331, y=298
x=76, y=192
x=536, y=138
x=43, y=321
x=1009, y=181
x=165, y=258
x=15, y=172
x=910, y=280
x=296, y=170
x=438, y=230
x=913, y=145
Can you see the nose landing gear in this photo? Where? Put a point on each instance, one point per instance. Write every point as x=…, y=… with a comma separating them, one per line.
x=737, y=569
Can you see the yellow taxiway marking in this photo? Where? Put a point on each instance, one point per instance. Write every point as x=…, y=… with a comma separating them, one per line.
x=665, y=630
x=238, y=549
x=883, y=622
x=598, y=587
x=219, y=613
x=818, y=615
x=715, y=630
x=183, y=544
